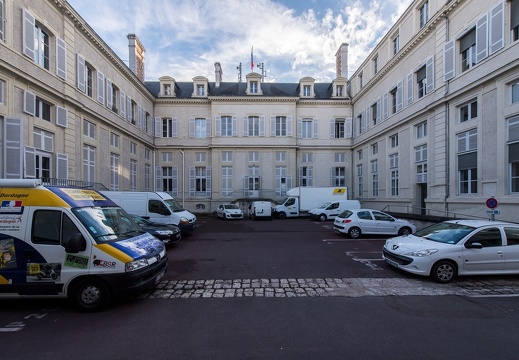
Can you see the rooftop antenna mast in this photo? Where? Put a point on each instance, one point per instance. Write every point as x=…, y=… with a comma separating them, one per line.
x=263, y=72
x=239, y=72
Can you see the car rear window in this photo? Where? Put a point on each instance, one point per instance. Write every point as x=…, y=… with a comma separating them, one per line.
x=345, y=214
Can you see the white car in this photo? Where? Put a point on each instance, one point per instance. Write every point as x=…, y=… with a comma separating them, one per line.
x=229, y=211
x=356, y=222
x=457, y=247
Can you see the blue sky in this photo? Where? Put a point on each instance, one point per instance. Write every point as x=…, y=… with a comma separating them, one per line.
x=292, y=38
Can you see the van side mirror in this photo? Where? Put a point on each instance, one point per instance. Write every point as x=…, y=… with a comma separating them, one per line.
x=165, y=211
x=75, y=243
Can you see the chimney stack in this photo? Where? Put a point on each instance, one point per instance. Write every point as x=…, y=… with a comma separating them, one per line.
x=218, y=73
x=136, y=52
x=341, y=61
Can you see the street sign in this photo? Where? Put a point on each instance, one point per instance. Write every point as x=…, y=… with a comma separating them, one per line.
x=494, y=212
x=491, y=203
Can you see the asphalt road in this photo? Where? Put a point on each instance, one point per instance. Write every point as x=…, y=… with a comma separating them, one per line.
x=290, y=289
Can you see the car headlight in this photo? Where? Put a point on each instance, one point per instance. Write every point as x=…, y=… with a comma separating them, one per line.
x=184, y=221
x=137, y=264
x=422, y=253
x=164, y=232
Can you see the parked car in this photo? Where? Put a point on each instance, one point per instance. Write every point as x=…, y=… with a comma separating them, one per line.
x=168, y=233
x=457, y=247
x=260, y=210
x=229, y=211
x=357, y=222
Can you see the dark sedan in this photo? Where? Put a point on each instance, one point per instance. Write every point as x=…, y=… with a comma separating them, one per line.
x=168, y=233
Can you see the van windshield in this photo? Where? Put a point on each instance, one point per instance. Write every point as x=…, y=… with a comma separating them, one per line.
x=325, y=205
x=174, y=205
x=107, y=224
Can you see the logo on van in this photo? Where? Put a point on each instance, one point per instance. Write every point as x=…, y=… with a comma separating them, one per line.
x=104, y=263
x=11, y=206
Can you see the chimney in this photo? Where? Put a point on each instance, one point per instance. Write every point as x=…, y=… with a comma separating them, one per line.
x=136, y=52
x=218, y=72
x=341, y=61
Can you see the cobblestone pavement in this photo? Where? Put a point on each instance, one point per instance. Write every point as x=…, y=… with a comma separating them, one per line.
x=345, y=287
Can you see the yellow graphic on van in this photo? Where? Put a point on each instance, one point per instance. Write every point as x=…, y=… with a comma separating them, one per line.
x=116, y=253
x=81, y=194
x=339, y=191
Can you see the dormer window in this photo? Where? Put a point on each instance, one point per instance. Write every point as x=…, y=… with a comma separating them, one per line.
x=200, y=91
x=254, y=84
x=167, y=86
x=307, y=90
x=306, y=85
x=339, y=87
x=339, y=91
x=200, y=86
x=167, y=89
x=254, y=87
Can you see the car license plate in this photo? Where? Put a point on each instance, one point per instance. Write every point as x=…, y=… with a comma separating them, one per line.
x=159, y=276
x=391, y=262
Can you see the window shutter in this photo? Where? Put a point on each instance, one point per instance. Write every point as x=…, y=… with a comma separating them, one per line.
x=61, y=116
x=315, y=123
x=2, y=16
x=217, y=126
x=348, y=130
x=262, y=126
x=208, y=127
x=28, y=34
x=13, y=148
x=191, y=127
x=289, y=125
x=400, y=95
x=384, y=105
x=122, y=104
x=448, y=60
x=139, y=116
x=29, y=162
x=174, y=130
x=208, y=184
x=410, y=78
x=100, y=87
x=246, y=186
x=299, y=127
x=429, y=70
x=129, y=108
x=61, y=166
x=482, y=38
x=367, y=118
x=2, y=91
x=81, y=73
x=61, y=58
x=192, y=181
x=158, y=126
x=158, y=178
x=109, y=93
x=332, y=129
x=272, y=126
x=29, y=103
x=378, y=110
x=245, y=126
x=174, y=182
x=496, y=28
x=234, y=126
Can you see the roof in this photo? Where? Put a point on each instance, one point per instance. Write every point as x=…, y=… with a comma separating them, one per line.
x=184, y=90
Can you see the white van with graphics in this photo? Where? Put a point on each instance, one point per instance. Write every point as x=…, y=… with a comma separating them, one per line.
x=156, y=206
x=331, y=209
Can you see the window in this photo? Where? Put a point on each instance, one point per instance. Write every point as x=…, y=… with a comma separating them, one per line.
x=467, y=162
x=226, y=126
x=307, y=126
x=305, y=176
x=254, y=87
x=227, y=181
x=147, y=177
x=375, y=116
x=61, y=227
x=339, y=129
x=306, y=157
x=339, y=91
x=200, y=90
x=359, y=155
x=43, y=140
x=360, y=81
x=360, y=122
x=375, y=64
x=89, y=79
x=339, y=176
x=253, y=126
x=43, y=165
x=513, y=154
x=253, y=180
x=393, y=167
x=133, y=175
x=514, y=20
x=167, y=89
x=421, y=130
x=133, y=148
x=393, y=99
x=43, y=110
x=2, y=20
x=307, y=90
x=41, y=47
x=393, y=141
x=468, y=111
x=2, y=83
x=200, y=157
x=147, y=154
x=374, y=149
x=515, y=93
x=254, y=156
x=281, y=156
x=114, y=140
x=132, y=106
x=340, y=157
x=374, y=178
x=468, y=50
x=167, y=156
x=167, y=127
x=89, y=163
x=421, y=80
x=114, y=172
x=424, y=13
x=89, y=129
x=421, y=163
x=200, y=128
x=281, y=126
x=396, y=44
x=167, y=179
x=200, y=181
x=226, y=156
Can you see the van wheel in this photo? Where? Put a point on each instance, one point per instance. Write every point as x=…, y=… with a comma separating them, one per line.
x=322, y=217
x=354, y=232
x=282, y=215
x=90, y=295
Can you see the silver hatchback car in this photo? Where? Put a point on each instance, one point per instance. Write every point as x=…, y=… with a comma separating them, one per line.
x=356, y=222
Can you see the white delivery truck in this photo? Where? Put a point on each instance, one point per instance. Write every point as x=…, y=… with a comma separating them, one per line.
x=58, y=241
x=331, y=209
x=155, y=206
x=300, y=200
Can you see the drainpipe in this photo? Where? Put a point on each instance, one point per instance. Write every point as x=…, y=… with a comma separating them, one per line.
x=447, y=137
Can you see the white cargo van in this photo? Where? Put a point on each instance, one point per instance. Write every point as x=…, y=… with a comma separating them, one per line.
x=260, y=209
x=331, y=209
x=156, y=206
x=69, y=242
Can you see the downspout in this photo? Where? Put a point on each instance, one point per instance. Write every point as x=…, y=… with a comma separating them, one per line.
x=447, y=138
x=352, y=193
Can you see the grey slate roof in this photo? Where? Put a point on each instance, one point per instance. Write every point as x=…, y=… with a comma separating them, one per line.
x=184, y=90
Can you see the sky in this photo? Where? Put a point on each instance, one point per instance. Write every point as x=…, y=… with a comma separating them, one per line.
x=292, y=38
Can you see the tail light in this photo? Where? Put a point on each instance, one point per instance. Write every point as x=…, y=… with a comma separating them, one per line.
x=345, y=221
